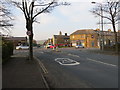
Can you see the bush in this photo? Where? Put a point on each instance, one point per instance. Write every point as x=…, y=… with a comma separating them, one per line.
x=7, y=49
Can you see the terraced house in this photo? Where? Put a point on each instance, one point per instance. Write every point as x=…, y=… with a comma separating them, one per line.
x=61, y=40
x=86, y=37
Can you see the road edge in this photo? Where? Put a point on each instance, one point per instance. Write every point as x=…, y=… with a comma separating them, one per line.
x=41, y=66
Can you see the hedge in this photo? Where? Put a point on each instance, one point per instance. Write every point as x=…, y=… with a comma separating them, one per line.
x=7, y=49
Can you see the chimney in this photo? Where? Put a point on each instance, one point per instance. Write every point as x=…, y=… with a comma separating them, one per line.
x=65, y=34
x=60, y=33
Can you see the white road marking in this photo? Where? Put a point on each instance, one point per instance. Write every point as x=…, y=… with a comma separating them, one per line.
x=66, y=61
x=41, y=65
x=101, y=62
x=41, y=52
x=73, y=55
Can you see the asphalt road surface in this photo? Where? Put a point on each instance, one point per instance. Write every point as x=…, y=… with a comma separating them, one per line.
x=77, y=68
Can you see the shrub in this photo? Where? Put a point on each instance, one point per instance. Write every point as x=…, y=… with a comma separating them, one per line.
x=7, y=49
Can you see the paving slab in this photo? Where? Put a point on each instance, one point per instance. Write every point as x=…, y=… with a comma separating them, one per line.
x=19, y=72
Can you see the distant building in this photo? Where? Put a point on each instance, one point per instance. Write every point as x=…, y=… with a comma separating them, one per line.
x=18, y=40
x=85, y=37
x=92, y=38
x=109, y=37
x=61, y=39
x=118, y=36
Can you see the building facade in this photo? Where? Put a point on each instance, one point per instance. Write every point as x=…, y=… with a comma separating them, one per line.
x=87, y=38
x=18, y=40
x=61, y=39
x=93, y=38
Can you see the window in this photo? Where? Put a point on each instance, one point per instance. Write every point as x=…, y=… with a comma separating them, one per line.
x=92, y=36
x=82, y=36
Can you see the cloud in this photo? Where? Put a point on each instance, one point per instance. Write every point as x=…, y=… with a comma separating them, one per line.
x=47, y=19
x=76, y=11
x=82, y=0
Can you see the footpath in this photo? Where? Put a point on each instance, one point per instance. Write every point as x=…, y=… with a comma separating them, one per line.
x=19, y=72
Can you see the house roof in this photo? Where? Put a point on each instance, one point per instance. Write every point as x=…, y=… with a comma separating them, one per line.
x=84, y=31
x=17, y=38
x=61, y=36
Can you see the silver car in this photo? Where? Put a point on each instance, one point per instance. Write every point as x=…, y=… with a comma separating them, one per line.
x=79, y=46
x=22, y=47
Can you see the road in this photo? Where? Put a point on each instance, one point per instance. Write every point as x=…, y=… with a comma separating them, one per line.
x=77, y=68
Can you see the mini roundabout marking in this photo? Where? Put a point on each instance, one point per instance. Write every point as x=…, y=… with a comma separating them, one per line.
x=66, y=61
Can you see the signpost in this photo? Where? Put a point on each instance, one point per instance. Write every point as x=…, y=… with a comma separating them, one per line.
x=28, y=33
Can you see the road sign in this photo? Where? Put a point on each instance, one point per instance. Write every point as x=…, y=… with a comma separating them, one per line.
x=28, y=33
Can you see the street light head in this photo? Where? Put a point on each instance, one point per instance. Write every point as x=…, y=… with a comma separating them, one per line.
x=93, y=2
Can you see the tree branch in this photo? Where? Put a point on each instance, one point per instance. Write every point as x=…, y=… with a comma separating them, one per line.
x=26, y=8
x=43, y=10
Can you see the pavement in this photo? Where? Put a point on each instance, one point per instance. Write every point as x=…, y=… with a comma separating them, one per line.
x=19, y=72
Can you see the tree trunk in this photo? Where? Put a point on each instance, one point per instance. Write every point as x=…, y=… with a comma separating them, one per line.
x=30, y=28
x=115, y=33
x=30, y=47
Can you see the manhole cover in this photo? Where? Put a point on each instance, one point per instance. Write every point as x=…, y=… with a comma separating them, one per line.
x=66, y=61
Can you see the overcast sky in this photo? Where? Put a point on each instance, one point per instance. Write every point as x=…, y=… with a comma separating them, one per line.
x=64, y=18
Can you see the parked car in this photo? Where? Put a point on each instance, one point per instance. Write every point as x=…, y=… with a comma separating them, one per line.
x=52, y=46
x=79, y=46
x=48, y=45
x=22, y=47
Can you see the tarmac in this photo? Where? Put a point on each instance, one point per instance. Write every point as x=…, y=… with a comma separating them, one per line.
x=97, y=50
x=19, y=72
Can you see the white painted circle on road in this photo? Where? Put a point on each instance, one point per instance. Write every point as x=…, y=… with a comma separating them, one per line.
x=66, y=61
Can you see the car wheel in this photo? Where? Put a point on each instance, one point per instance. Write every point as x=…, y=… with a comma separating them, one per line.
x=20, y=48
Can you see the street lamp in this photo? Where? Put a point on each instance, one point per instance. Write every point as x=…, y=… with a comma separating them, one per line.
x=102, y=34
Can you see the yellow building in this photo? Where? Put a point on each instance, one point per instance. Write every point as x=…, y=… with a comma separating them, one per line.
x=87, y=37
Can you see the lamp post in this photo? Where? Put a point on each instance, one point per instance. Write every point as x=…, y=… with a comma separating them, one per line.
x=101, y=33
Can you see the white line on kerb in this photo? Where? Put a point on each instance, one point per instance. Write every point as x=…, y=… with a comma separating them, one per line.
x=101, y=62
x=42, y=66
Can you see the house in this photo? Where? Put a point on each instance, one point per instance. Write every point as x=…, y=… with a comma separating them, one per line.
x=86, y=37
x=49, y=41
x=18, y=40
x=61, y=40
x=118, y=36
x=109, y=37
x=93, y=38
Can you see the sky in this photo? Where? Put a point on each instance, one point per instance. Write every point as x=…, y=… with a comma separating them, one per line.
x=66, y=19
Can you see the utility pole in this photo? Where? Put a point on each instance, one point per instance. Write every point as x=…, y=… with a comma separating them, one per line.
x=101, y=32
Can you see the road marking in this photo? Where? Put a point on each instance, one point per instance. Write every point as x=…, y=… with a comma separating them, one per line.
x=41, y=52
x=73, y=55
x=101, y=62
x=44, y=80
x=41, y=65
x=66, y=61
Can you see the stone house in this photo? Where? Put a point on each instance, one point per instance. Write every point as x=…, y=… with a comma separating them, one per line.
x=86, y=37
x=61, y=39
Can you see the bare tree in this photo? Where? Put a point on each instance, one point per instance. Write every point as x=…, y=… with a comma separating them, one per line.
x=111, y=11
x=5, y=17
x=31, y=9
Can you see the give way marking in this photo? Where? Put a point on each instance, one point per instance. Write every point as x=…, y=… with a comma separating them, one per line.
x=66, y=61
